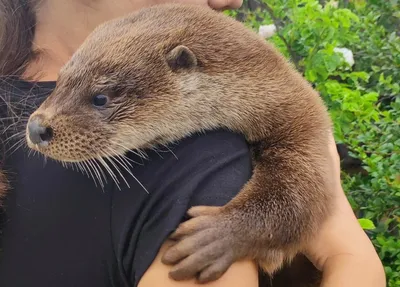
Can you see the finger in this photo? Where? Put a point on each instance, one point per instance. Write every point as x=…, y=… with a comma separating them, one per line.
x=188, y=246
x=190, y=226
x=225, y=4
x=214, y=271
x=191, y=265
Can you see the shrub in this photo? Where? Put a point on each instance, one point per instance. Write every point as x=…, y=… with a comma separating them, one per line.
x=350, y=52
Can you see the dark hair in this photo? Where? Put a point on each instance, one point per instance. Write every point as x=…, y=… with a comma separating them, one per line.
x=17, y=30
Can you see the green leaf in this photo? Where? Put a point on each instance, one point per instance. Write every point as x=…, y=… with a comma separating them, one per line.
x=366, y=224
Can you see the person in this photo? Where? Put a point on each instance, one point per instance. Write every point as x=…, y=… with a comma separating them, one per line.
x=62, y=230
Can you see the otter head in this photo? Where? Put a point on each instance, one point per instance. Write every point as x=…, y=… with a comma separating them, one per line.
x=145, y=79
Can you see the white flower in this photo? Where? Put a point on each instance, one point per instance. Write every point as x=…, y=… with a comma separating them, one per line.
x=347, y=55
x=334, y=4
x=267, y=31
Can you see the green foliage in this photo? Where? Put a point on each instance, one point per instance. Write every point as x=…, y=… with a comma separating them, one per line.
x=366, y=224
x=363, y=99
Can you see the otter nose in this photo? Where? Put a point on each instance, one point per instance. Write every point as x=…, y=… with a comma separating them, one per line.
x=39, y=134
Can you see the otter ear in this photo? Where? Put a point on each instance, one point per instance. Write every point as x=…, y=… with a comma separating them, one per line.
x=181, y=57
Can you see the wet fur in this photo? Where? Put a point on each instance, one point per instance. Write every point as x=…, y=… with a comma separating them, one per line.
x=173, y=70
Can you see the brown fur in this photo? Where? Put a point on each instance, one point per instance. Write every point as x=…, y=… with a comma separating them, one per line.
x=173, y=70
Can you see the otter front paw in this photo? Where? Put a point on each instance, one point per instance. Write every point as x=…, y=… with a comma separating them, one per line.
x=207, y=245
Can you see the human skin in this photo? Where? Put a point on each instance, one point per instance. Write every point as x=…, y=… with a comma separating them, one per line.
x=341, y=250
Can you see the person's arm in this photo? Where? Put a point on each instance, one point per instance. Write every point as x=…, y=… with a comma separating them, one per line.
x=203, y=169
x=342, y=250
x=216, y=166
x=240, y=274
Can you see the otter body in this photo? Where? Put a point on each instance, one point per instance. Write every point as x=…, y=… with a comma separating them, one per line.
x=168, y=71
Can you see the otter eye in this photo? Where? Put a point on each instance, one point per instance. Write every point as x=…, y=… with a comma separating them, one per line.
x=100, y=100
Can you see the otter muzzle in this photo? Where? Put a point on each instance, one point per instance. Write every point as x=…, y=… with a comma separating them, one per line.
x=39, y=134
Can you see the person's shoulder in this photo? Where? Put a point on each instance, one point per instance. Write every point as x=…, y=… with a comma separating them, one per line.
x=207, y=149
x=216, y=164
x=219, y=161
x=199, y=157
x=216, y=141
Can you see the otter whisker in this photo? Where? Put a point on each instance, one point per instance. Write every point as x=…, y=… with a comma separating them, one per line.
x=164, y=145
x=44, y=160
x=112, y=158
x=98, y=172
x=84, y=167
x=128, y=160
x=109, y=170
x=118, y=170
x=138, y=181
x=30, y=151
x=140, y=155
x=143, y=153
x=68, y=165
x=123, y=158
x=36, y=153
x=90, y=167
x=94, y=172
x=81, y=168
x=156, y=151
x=123, y=162
x=97, y=168
x=78, y=167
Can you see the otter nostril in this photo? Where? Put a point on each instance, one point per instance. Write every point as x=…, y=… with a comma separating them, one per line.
x=47, y=135
x=39, y=134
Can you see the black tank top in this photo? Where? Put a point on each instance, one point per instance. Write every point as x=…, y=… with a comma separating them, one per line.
x=60, y=230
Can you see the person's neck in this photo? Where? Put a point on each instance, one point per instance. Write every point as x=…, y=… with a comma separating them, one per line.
x=62, y=26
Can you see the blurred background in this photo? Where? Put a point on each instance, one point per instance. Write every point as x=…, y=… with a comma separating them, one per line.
x=350, y=52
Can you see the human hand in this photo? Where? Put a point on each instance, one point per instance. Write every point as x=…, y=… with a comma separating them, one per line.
x=225, y=4
x=342, y=250
x=214, y=4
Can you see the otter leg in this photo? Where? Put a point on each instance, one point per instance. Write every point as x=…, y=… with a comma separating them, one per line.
x=269, y=221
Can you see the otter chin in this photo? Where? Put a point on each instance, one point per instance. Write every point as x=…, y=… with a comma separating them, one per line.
x=171, y=70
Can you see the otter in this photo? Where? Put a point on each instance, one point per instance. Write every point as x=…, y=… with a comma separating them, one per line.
x=171, y=70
